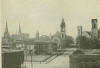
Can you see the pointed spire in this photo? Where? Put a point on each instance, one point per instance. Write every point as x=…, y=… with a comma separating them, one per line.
x=63, y=23
x=6, y=28
x=19, y=29
x=6, y=33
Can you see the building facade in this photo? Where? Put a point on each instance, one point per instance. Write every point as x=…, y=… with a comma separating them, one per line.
x=43, y=47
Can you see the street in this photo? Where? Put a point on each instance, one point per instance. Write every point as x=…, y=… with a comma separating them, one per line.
x=59, y=62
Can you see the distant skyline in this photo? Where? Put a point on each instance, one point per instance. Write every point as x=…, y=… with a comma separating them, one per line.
x=46, y=15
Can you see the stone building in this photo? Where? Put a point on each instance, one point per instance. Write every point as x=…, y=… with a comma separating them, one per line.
x=15, y=40
x=20, y=36
x=60, y=36
x=6, y=39
x=94, y=33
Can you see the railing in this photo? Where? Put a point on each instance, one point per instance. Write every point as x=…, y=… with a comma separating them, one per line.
x=47, y=60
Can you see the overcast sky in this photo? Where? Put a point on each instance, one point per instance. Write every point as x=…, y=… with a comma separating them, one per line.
x=46, y=15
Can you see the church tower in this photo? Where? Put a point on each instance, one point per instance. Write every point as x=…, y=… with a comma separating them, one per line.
x=6, y=33
x=63, y=29
x=94, y=29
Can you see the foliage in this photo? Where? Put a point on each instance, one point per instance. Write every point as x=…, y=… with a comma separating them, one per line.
x=88, y=43
x=68, y=41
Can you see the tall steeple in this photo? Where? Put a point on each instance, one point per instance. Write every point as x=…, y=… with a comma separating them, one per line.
x=6, y=28
x=20, y=33
x=6, y=33
x=63, y=29
x=19, y=30
x=63, y=25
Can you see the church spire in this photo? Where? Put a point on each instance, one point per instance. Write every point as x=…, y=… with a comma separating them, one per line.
x=6, y=28
x=63, y=25
x=19, y=29
x=6, y=33
x=63, y=29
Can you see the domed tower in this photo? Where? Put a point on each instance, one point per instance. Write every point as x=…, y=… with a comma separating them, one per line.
x=63, y=29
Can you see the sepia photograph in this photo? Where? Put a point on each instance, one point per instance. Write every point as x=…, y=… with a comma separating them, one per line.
x=50, y=33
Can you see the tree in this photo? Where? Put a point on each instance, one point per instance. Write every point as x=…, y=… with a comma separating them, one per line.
x=88, y=43
x=68, y=41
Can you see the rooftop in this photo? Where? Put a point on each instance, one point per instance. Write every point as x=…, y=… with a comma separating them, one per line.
x=10, y=50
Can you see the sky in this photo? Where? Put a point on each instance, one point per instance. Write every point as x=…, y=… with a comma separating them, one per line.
x=45, y=15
